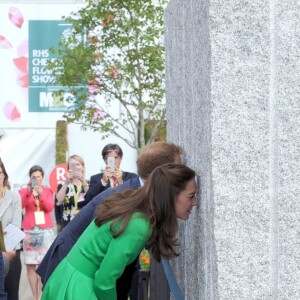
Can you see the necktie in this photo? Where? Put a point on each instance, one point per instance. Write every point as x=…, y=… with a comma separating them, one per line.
x=114, y=181
x=175, y=289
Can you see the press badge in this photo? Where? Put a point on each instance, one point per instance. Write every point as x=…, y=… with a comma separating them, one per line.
x=80, y=197
x=39, y=217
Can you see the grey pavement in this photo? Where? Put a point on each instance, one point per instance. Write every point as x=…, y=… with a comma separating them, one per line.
x=24, y=291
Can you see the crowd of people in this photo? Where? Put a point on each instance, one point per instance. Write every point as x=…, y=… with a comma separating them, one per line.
x=102, y=224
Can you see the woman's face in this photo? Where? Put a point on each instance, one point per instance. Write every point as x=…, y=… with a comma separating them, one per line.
x=2, y=176
x=78, y=167
x=186, y=199
x=39, y=177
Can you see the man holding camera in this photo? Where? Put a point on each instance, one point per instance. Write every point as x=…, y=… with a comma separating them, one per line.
x=112, y=176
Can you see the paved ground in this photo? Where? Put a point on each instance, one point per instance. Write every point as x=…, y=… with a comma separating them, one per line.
x=25, y=291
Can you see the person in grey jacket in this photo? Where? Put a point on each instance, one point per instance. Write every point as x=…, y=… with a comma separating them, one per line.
x=10, y=213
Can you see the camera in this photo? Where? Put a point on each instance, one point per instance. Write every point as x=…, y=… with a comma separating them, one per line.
x=111, y=162
x=73, y=166
x=33, y=182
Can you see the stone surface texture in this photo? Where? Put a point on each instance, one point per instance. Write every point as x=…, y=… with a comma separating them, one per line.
x=233, y=104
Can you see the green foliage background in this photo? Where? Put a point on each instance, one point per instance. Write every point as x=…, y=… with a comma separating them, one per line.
x=61, y=142
x=114, y=55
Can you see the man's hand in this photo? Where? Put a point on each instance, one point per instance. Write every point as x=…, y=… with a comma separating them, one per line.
x=107, y=174
x=118, y=174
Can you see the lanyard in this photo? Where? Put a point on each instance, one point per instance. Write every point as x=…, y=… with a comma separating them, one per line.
x=76, y=193
x=36, y=199
x=37, y=202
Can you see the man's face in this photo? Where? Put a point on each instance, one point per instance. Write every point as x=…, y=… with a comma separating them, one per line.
x=114, y=154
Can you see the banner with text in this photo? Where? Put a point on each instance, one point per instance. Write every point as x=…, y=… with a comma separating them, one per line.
x=43, y=35
x=19, y=107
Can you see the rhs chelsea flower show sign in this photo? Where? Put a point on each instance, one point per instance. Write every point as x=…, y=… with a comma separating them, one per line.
x=44, y=34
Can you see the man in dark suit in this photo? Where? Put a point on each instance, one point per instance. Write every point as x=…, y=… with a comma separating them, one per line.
x=151, y=157
x=112, y=175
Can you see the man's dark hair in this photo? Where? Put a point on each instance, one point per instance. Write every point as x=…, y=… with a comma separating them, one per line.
x=112, y=147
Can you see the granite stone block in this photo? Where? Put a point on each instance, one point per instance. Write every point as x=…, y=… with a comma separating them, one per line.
x=233, y=89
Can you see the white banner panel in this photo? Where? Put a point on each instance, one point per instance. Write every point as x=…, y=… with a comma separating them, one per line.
x=21, y=149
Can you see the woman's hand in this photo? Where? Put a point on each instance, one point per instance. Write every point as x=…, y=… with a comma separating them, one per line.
x=79, y=175
x=29, y=186
x=38, y=190
x=70, y=175
x=9, y=255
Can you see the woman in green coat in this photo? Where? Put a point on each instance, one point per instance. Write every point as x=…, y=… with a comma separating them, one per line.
x=124, y=224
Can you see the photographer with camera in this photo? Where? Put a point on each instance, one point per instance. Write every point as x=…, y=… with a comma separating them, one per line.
x=70, y=193
x=38, y=202
x=112, y=175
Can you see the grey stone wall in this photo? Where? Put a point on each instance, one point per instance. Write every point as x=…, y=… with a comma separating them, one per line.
x=233, y=77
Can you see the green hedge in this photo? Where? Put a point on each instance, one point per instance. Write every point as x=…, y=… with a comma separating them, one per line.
x=61, y=142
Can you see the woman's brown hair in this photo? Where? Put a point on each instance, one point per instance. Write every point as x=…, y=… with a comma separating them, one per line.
x=36, y=168
x=156, y=201
x=5, y=182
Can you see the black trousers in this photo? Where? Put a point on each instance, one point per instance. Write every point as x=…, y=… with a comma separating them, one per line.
x=127, y=284
x=12, y=280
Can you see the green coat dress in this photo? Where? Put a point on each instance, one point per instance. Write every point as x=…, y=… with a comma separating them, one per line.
x=96, y=261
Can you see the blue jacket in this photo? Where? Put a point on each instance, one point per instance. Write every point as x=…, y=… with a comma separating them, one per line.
x=70, y=234
x=96, y=186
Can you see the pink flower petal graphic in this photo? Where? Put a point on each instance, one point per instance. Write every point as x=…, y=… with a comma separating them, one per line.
x=22, y=80
x=11, y=111
x=23, y=49
x=15, y=17
x=4, y=43
x=21, y=63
